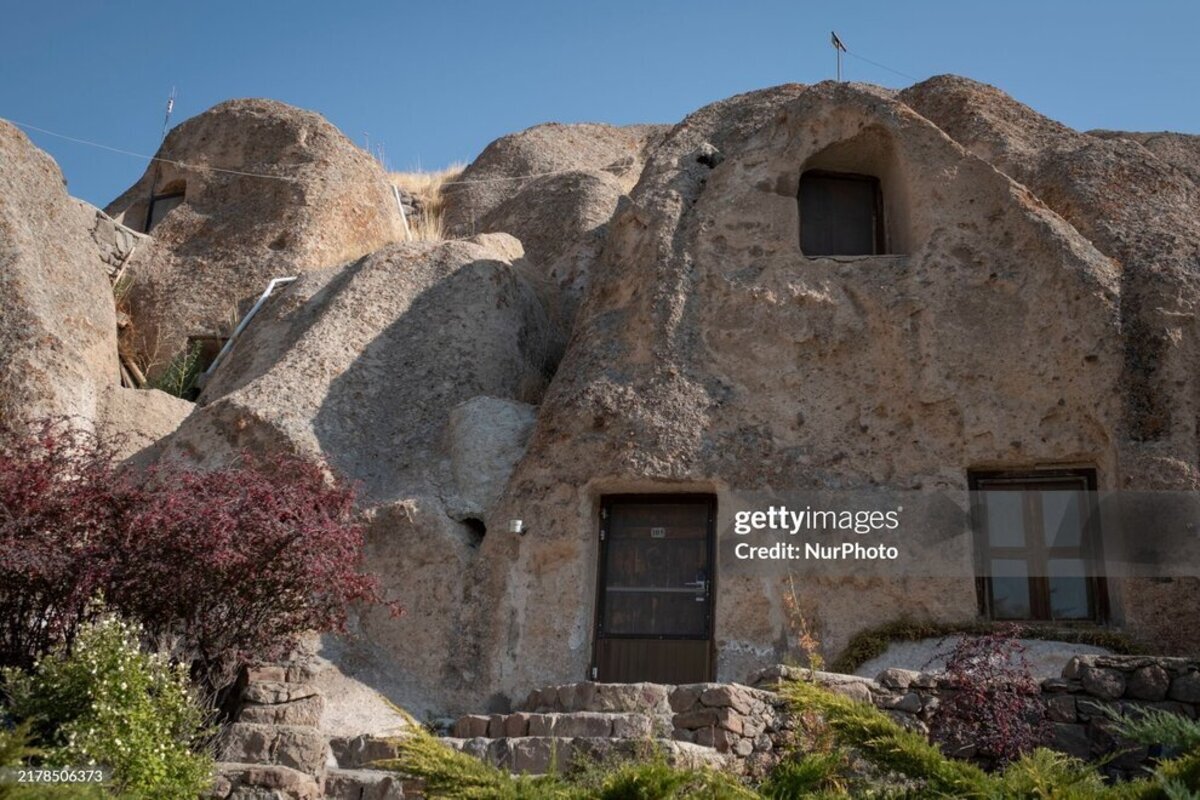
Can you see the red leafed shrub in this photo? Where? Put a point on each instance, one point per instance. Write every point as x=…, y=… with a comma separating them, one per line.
x=239, y=561
x=59, y=504
x=225, y=564
x=994, y=710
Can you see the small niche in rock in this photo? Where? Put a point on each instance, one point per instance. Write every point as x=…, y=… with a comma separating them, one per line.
x=477, y=528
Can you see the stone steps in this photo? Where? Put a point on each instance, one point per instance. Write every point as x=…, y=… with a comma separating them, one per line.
x=538, y=755
x=366, y=784
x=562, y=724
x=613, y=698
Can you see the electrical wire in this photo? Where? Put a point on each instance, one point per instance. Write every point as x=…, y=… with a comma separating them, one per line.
x=852, y=54
x=245, y=174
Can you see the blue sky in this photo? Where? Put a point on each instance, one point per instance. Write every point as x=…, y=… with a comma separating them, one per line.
x=436, y=81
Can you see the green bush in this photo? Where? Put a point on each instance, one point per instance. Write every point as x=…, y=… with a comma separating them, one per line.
x=108, y=703
x=451, y=775
x=901, y=756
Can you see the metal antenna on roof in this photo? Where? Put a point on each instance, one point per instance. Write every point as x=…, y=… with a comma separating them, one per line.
x=167, y=116
x=839, y=48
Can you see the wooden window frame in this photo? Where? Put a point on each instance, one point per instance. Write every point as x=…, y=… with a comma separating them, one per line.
x=1089, y=550
x=880, y=245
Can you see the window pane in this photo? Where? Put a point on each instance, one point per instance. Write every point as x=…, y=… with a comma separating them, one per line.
x=1005, y=518
x=1062, y=520
x=1010, y=589
x=1068, y=588
x=837, y=214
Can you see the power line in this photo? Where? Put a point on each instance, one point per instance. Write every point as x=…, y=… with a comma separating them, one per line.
x=852, y=54
x=245, y=174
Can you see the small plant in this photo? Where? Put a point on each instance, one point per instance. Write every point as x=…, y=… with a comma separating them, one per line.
x=803, y=635
x=108, y=704
x=180, y=376
x=427, y=189
x=994, y=705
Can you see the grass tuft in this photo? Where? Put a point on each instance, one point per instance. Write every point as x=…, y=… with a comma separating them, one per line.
x=427, y=188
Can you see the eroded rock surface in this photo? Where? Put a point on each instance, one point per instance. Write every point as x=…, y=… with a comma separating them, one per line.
x=58, y=323
x=260, y=190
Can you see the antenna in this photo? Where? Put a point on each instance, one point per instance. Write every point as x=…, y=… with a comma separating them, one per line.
x=167, y=115
x=839, y=48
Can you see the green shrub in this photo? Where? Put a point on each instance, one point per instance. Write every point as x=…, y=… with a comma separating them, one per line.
x=451, y=775
x=808, y=775
x=901, y=755
x=108, y=703
x=181, y=375
x=1155, y=727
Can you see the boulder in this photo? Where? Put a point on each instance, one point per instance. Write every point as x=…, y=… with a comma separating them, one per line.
x=58, y=324
x=562, y=221
x=298, y=747
x=511, y=162
x=261, y=781
x=253, y=190
x=363, y=366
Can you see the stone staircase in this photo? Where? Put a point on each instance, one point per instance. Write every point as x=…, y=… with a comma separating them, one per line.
x=707, y=724
x=273, y=749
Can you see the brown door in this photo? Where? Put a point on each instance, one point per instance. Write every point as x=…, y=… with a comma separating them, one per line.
x=654, y=616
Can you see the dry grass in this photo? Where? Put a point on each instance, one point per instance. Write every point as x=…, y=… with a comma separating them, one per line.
x=427, y=188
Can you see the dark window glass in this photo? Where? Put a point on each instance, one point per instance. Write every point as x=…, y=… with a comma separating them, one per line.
x=840, y=214
x=160, y=206
x=1039, y=544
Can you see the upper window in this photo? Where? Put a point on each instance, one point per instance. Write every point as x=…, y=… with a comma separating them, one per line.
x=841, y=214
x=163, y=203
x=1038, y=545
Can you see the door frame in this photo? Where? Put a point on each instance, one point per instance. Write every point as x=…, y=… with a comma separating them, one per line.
x=697, y=498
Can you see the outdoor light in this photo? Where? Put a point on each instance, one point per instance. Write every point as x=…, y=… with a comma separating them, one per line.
x=517, y=526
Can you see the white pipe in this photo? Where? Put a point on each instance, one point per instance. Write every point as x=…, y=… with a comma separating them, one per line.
x=403, y=216
x=241, y=326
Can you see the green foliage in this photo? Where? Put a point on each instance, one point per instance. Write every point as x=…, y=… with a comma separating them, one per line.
x=452, y=775
x=874, y=642
x=180, y=376
x=887, y=745
x=811, y=775
x=1040, y=775
x=655, y=779
x=1153, y=726
x=1047, y=774
x=108, y=703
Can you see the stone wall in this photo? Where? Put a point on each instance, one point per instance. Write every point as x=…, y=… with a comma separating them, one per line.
x=1075, y=702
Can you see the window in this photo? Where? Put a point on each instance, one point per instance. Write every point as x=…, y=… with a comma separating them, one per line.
x=841, y=214
x=1038, y=548
x=163, y=203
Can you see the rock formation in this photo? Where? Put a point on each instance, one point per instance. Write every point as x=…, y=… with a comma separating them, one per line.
x=248, y=191
x=58, y=329
x=634, y=313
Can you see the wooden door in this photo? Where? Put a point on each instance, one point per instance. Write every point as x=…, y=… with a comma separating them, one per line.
x=654, y=618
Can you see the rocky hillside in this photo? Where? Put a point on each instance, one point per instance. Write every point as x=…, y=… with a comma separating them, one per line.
x=622, y=309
